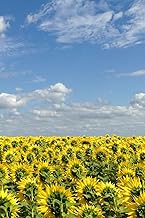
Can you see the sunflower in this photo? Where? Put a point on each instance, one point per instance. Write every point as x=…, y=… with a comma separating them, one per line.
x=86, y=211
x=107, y=192
x=75, y=169
x=9, y=156
x=44, y=171
x=132, y=189
x=137, y=209
x=101, y=153
x=57, y=174
x=140, y=170
x=4, y=173
x=30, y=157
x=54, y=201
x=141, y=154
x=28, y=189
x=79, y=154
x=20, y=171
x=86, y=190
x=8, y=205
x=126, y=171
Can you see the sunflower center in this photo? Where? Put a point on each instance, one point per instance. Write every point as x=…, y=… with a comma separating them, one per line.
x=30, y=158
x=9, y=158
x=2, y=173
x=135, y=192
x=76, y=171
x=120, y=159
x=140, y=212
x=20, y=173
x=6, y=147
x=139, y=172
x=44, y=173
x=142, y=156
x=101, y=156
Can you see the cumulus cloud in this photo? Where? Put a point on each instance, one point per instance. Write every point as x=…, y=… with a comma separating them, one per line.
x=138, y=101
x=4, y=24
x=10, y=101
x=84, y=20
x=54, y=94
x=48, y=112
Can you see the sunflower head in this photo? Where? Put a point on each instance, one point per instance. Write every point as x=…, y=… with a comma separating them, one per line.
x=137, y=209
x=107, y=192
x=20, y=171
x=86, y=211
x=28, y=189
x=76, y=170
x=8, y=205
x=4, y=173
x=87, y=190
x=54, y=201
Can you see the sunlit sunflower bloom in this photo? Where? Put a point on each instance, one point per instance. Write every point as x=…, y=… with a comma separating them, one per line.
x=58, y=174
x=29, y=157
x=50, y=153
x=121, y=158
x=4, y=173
x=101, y=153
x=6, y=147
x=28, y=189
x=20, y=171
x=44, y=171
x=141, y=154
x=78, y=153
x=132, y=189
x=140, y=170
x=9, y=156
x=75, y=169
x=54, y=201
x=126, y=171
x=86, y=190
x=107, y=192
x=86, y=211
x=8, y=205
x=137, y=209
x=123, y=181
x=64, y=157
x=35, y=150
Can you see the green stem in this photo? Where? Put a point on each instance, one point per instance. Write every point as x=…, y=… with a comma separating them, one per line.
x=32, y=199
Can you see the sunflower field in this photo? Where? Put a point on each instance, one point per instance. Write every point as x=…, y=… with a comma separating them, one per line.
x=72, y=177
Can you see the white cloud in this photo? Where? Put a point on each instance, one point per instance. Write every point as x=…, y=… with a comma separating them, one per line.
x=55, y=94
x=10, y=101
x=39, y=79
x=138, y=101
x=47, y=111
x=138, y=73
x=84, y=20
x=4, y=24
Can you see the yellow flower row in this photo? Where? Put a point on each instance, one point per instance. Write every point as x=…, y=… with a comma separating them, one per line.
x=72, y=177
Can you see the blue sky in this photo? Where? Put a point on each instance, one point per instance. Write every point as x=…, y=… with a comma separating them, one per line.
x=72, y=67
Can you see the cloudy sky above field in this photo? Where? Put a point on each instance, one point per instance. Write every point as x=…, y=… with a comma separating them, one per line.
x=72, y=67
